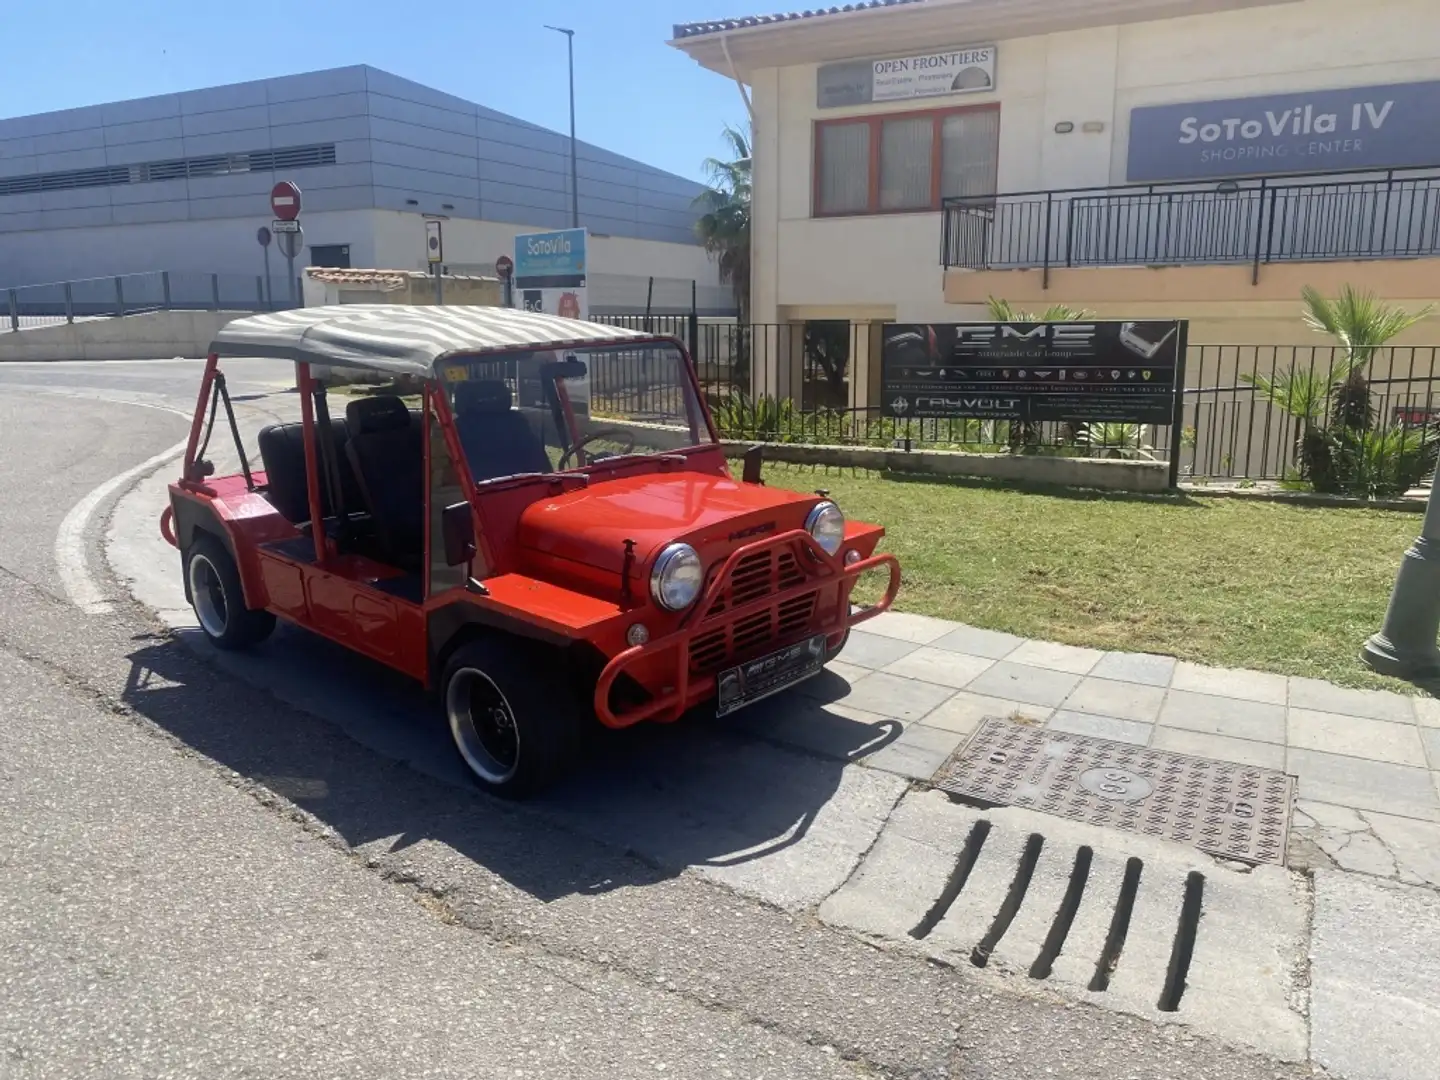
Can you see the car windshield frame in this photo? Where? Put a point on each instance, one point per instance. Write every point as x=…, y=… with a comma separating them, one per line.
x=541, y=385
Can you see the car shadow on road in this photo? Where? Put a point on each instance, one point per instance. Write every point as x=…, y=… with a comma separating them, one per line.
x=365, y=751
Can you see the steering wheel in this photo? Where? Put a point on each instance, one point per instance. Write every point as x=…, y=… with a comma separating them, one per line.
x=609, y=433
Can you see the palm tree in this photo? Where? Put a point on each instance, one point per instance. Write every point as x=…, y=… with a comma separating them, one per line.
x=1361, y=324
x=1332, y=407
x=724, y=225
x=1003, y=311
x=1026, y=433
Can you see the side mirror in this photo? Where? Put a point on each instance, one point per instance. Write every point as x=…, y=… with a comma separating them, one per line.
x=754, y=459
x=457, y=523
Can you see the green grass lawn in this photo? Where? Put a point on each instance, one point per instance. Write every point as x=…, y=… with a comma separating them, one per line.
x=1230, y=582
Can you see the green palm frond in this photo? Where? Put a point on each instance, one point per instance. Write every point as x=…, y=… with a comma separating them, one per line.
x=1004, y=311
x=1360, y=322
x=724, y=223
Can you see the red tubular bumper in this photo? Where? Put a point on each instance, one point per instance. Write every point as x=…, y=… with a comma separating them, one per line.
x=828, y=570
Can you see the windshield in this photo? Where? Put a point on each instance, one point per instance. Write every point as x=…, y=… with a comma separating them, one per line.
x=544, y=411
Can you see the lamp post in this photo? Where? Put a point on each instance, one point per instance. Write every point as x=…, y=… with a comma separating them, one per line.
x=1405, y=646
x=574, y=172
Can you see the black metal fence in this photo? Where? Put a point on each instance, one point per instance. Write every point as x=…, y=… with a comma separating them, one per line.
x=131, y=294
x=1247, y=409
x=1389, y=214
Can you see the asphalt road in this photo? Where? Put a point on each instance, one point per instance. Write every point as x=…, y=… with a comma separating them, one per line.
x=202, y=879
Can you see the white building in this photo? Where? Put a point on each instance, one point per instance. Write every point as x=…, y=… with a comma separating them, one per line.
x=1144, y=158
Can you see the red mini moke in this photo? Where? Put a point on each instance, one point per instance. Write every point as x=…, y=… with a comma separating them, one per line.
x=549, y=533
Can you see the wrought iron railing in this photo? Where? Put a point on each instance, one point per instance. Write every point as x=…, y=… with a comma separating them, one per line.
x=1387, y=214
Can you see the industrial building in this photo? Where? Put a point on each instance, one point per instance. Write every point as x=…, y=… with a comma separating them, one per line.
x=180, y=183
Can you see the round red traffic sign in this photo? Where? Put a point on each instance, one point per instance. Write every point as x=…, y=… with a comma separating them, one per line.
x=285, y=201
x=504, y=266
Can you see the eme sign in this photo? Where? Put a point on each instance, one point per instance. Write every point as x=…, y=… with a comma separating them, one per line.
x=1081, y=371
x=968, y=70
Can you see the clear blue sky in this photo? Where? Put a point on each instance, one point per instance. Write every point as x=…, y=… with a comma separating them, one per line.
x=633, y=94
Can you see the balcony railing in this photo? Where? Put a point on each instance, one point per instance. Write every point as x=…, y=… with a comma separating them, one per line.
x=1393, y=214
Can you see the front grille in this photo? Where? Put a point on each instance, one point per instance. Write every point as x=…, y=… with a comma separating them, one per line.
x=758, y=575
x=762, y=574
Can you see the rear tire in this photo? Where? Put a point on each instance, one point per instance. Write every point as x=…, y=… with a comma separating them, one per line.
x=219, y=599
x=513, y=718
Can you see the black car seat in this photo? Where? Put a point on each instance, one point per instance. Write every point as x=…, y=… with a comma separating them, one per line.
x=497, y=439
x=388, y=457
x=282, y=452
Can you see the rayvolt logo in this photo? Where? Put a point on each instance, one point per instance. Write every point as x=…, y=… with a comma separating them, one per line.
x=987, y=404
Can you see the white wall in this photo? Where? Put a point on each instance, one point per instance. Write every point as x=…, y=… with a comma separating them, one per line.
x=893, y=262
x=400, y=244
x=384, y=239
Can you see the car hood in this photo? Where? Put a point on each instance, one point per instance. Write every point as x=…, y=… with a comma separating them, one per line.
x=711, y=513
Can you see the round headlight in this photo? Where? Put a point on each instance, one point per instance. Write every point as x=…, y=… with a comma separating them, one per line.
x=675, y=582
x=827, y=525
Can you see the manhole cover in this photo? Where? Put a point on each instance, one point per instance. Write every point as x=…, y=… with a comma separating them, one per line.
x=1238, y=811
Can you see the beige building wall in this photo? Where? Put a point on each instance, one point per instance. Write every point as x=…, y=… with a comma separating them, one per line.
x=889, y=266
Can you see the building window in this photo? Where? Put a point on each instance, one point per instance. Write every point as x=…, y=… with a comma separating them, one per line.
x=906, y=161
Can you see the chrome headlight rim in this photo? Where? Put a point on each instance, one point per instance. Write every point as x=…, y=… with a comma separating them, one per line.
x=671, y=558
x=823, y=511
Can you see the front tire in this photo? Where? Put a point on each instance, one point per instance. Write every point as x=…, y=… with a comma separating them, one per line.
x=513, y=720
x=219, y=599
x=831, y=654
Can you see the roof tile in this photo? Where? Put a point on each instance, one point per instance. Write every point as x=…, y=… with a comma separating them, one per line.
x=720, y=26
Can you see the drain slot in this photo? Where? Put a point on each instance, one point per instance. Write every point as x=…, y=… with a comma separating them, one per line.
x=1119, y=925
x=1184, y=947
x=1064, y=915
x=963, y=865
x=1019, y=885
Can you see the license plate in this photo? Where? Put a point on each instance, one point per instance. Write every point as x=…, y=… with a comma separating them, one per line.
x=749, y=682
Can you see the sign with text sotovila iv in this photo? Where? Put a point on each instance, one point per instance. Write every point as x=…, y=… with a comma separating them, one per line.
x=1102, y=371
x=1359, y=127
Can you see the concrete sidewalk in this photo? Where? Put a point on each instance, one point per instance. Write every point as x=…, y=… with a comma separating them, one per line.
x=1367, y=762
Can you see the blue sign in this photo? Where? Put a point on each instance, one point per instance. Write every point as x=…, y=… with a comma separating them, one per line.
x=1363, y=127
x=550, y=259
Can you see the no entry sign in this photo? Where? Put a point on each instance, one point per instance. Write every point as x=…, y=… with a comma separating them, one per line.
x=285, y=201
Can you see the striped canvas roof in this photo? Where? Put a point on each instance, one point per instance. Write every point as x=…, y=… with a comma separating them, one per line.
x=404, y=340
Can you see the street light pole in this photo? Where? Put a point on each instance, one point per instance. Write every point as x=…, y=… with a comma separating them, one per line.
x=1405, y=645
x=574, y=171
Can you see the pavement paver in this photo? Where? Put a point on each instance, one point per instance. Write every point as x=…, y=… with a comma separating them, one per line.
x=1110, y=697
x=1220, y=747
x=1049, y=654
x=1427, y=711
x=873, y=651
x=1143, y=668
x=964, y=711
x=977, y=642
x=917, y=629
x=1327, y=697
x=939, y=666
x=1365, y=785
x=1096, y=726
x=1377, y=740
x=1020, y=682
x=1230, y=682
x=918, y=753
x=1430, y=737
x=1213, y=715
x=895, y=696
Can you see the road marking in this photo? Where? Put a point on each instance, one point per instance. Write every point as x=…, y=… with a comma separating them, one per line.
x=80, y=585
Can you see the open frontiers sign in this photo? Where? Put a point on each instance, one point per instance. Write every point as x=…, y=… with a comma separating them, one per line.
x=1362, y=127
